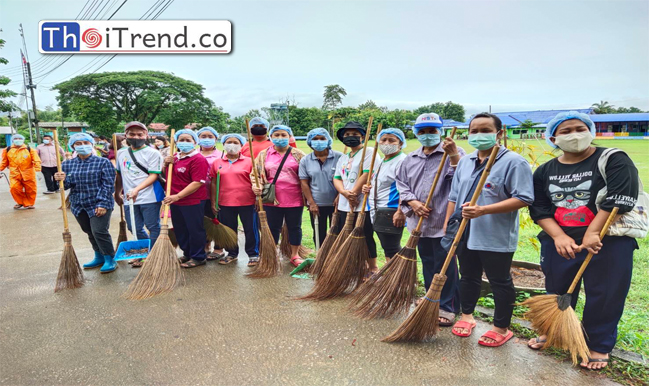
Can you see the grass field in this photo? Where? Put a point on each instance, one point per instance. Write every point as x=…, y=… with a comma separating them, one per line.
x=633, y=334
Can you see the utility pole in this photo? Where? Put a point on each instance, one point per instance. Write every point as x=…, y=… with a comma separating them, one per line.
x=31, y=86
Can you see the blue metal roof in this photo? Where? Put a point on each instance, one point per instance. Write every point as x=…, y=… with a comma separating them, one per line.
x=538, y=116
x=626, y=117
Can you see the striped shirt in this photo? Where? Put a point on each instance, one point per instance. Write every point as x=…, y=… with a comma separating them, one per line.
x=91, y=181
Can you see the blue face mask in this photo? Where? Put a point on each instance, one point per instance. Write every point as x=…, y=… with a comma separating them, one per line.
x=280, y=142
x=18, y=142
x=482, y=141
x=319, y=145
x=429, y=140
x=207, y=143
x=83, y=149
x=46, y=141
x=185, y=147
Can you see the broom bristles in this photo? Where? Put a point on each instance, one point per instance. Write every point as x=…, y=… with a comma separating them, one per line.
x=70, y=273
x=285, y=246
x=172, y=237
x=392, y=290
x=344, y=233
x=325, y=248
x=344, y=271
x=220, y=234
x=562, y=328
x=121, y=237
x=269, y=264
x=423, y=323
x=160, y=273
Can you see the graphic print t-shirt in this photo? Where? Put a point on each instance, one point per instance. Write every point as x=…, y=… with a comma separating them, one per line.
x=567, y=192
x=132, y=176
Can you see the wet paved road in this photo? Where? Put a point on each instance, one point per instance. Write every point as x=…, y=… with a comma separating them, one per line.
x=221, y=328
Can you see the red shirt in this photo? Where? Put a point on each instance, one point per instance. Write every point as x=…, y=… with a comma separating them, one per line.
x=257, y=147
x=235, y=188
x=190, y=168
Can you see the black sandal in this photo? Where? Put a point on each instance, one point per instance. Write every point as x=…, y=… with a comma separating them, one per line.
x=599, y=360
x=227, y=259
x=536, y=341
x=137, y=263
x=183, y=260
x=193, y=263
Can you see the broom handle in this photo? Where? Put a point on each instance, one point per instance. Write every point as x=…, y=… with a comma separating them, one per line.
x=254, y=168
x=64, y=207
x=474, y=199
x=165, y=217
x=435, y=181
x=505, y=137
x=369, y=177
x=602, y=233
x=121, y=207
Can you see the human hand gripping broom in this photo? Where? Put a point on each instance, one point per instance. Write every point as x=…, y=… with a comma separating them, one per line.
x=347, y=267
x=553, y=316
x=423, y=323
x=122, y=236
x=161, y=270
x=269, y=264
x=391, y=290
x=70, y=274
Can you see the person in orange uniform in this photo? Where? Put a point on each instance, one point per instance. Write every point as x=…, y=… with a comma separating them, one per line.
x=23, y=163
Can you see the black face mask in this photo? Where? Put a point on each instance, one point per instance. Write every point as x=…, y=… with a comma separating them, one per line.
x=352, y=141
x=135, y=143
x=258, y=131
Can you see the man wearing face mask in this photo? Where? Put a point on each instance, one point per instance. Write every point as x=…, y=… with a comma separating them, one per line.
x=46, y=151
x=414, y=180
x=260, y=141
x=138, y=167
x=23, y=163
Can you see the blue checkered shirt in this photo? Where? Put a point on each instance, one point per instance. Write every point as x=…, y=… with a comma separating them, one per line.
x=91, y=181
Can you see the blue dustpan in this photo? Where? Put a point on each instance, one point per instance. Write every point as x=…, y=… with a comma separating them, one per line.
x=125, y=246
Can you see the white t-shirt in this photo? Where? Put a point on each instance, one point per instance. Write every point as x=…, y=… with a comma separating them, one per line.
x=132, y=176
x=384, y=184
x=347, y=172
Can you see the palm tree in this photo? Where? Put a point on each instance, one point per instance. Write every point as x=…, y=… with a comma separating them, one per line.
x=603, y=107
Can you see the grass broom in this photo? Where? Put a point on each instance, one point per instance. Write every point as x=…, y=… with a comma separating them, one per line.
x=269, y=264
x=220, y=234
x=423, y=323
x=122, y=236
x=391, y=290
x=328, y=242
x=553, y=316
x=70, y=273
x=285, y=246
x=346, y=268
x=161, y=271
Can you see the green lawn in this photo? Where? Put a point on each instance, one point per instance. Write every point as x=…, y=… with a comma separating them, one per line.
x=633, y=335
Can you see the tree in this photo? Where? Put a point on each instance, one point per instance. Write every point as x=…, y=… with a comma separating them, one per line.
x=108, y=99
x=603, y=107
x=333, y=96
x=5, y=105
x=448, y=110
x=621, y=110
x=369, y=105
x=527, y=124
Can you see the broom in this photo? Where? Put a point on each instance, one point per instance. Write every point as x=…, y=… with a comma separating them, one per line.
x=122, y=222
x=328, y=242
x=285, y=246
x=346, y=269
x=553, y=316
x=161, y=270
x=392, y=289
x=70, y=274
x=269, y=265
x=423, y=323
x=221, y=235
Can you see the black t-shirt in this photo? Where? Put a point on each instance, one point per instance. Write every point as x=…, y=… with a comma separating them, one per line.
x=567, y=192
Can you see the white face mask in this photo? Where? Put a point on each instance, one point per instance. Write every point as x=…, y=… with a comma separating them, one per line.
x=232, y=148
x=574, y=142
x=388, y=149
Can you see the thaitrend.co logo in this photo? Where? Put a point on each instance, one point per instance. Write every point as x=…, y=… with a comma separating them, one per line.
x=135, y=36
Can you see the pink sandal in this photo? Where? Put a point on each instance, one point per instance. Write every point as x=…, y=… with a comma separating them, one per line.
x=500, y=339
x=296, y=260
x=463, y=324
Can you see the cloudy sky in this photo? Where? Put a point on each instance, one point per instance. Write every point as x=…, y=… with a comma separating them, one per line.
x=512, y=55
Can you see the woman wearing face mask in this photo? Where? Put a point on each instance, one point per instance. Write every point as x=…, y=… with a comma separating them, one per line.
x=231, y=183
x=316, y=176
x=289, y=203
x=187, y=199
x=565, y=207
x=414, y=180
x=493, y=227
x=23, y=163
x=162, y=144
x=349, y=184
x=91, y=179
x=383, y=193
x=207, y=137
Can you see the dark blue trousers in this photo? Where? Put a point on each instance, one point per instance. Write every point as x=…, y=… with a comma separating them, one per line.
x=432, y=257
x=229, y=215
x=188, y=226
x=606, y=282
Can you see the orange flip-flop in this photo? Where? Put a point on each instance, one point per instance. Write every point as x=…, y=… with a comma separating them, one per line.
x=500, y=339
x=463, y=324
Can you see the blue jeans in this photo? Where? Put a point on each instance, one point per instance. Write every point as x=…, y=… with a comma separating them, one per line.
x=145, y=215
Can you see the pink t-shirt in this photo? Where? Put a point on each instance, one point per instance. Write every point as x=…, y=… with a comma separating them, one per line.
x=235, y=188
x=216, y=154
x=288, y=191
